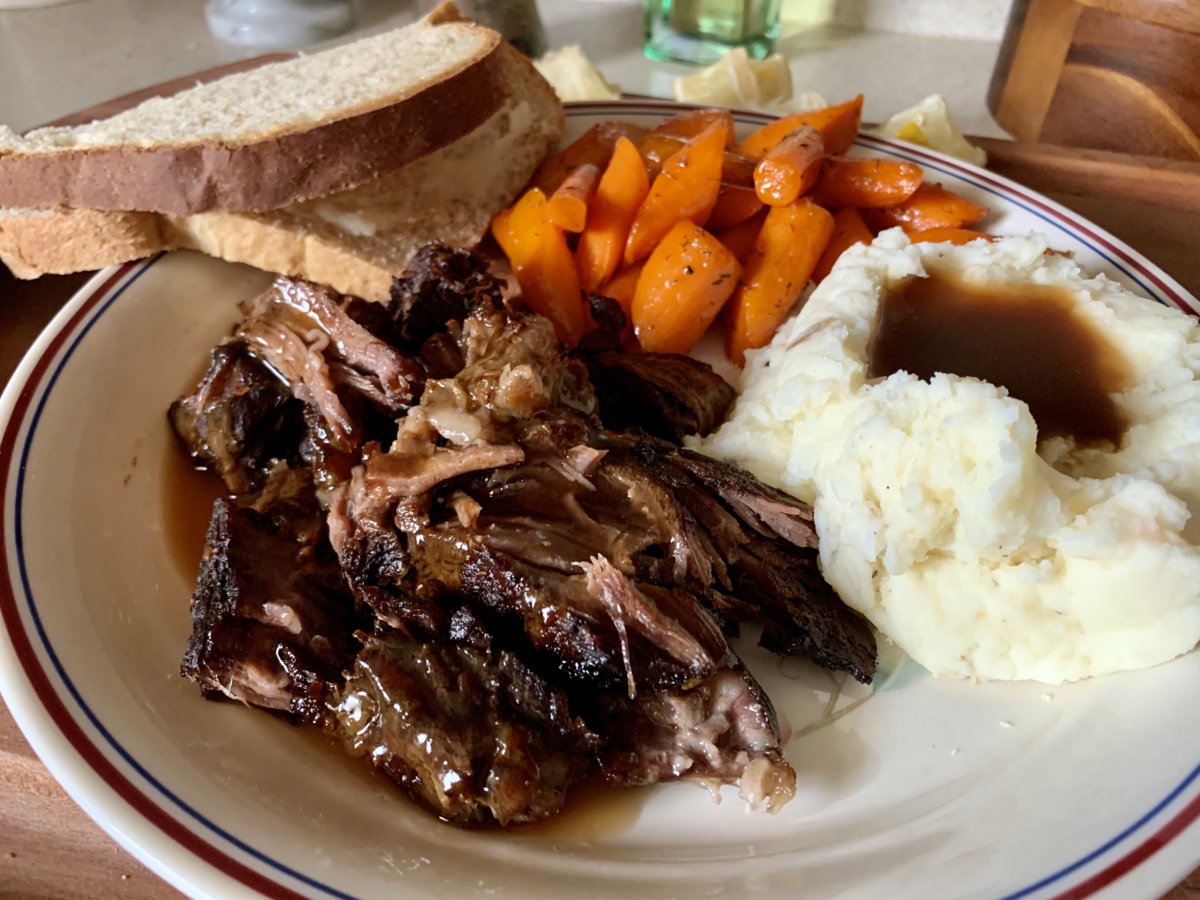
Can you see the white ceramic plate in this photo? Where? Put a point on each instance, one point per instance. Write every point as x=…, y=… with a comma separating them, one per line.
x=914, y=788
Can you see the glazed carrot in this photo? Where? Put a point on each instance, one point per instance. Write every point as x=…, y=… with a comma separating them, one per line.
x=848, y=229
x=543, y=264
x=689, y=124
x=865, y=183
x=740, y=238
x=838, y=126
x=595, y=147
x=620, y=193
x=930, y=206
x=734, y=204
x=956, y=236
x=568, y=205
x=686, y=188
x=683, y=286
x=656, y=148
x=788, y=247
x=790, y=168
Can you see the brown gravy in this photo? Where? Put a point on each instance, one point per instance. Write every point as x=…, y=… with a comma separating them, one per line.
x=188, y=495
x=593, y=811
x=1027, y=338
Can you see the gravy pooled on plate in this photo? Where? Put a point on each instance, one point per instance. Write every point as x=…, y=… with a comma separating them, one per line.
x=1027, y=338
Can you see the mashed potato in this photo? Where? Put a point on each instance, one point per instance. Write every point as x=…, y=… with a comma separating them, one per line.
x=939, y=519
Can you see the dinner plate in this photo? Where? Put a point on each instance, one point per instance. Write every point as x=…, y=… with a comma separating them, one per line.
x=912, y=787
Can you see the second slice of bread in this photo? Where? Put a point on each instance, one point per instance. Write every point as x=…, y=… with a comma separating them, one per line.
x=355, y=241
x=275, y=135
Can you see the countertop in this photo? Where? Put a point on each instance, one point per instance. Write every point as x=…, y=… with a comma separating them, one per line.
x=57, y=59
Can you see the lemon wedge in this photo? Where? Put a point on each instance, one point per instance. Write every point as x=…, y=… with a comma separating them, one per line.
x=930, y=124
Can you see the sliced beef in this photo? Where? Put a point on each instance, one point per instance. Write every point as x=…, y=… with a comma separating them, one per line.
x=319, y=316
x=723, y=731
x=300, y=382
x=329, y=361
x=476, y=735
x=773, y=568
x=663, y=394
x=677, y=519
x=598, y=627
x=768, y=511
x=376, y=562
x=288, y=502
x=502, y=593
x=441, y=286
x=241, y=420
x=272, y=621
x=465, y=728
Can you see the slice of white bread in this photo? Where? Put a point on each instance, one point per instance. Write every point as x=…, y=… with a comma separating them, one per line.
x=355, y=241
x=351, y=113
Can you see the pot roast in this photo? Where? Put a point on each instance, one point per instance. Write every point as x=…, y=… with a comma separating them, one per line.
x=486, y=565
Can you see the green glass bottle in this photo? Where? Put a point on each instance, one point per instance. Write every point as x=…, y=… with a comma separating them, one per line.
x=701, y=31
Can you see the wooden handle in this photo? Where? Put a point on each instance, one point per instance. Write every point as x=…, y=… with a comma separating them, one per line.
x=1115, y=75
x=1073, y=170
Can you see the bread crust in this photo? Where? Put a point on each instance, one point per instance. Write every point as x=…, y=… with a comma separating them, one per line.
x=301, y=241
x=61, y=241
x=264, y=175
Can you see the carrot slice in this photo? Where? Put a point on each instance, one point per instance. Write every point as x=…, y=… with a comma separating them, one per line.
x=657, y=148
x=734, y=204
x=956, y=236
x=838, y=126
x=790, y=168
x=848, y=229
x=930, y=206
x=686, y=188
x=740, y=238
x=785, y=254
x=866, y=183
x=568, y=206
x=683, y=286
x=543, y=264
x=691, y=123
x=595, y=147
x=620, y=193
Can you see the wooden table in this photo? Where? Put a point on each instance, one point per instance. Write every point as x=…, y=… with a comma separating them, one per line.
x=50, y=849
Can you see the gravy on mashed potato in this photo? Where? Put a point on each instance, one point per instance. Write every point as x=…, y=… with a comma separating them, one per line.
x=986, y=541
x=1026, y=338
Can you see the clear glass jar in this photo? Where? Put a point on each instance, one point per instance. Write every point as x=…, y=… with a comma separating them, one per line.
x=701, y=31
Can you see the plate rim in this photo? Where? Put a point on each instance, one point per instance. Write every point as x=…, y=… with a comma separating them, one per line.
x=185, y=858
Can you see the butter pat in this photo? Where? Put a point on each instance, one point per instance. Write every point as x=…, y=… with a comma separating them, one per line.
x=574, y=77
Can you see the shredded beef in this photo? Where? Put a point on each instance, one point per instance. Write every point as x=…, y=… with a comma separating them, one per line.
x=485, y=564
